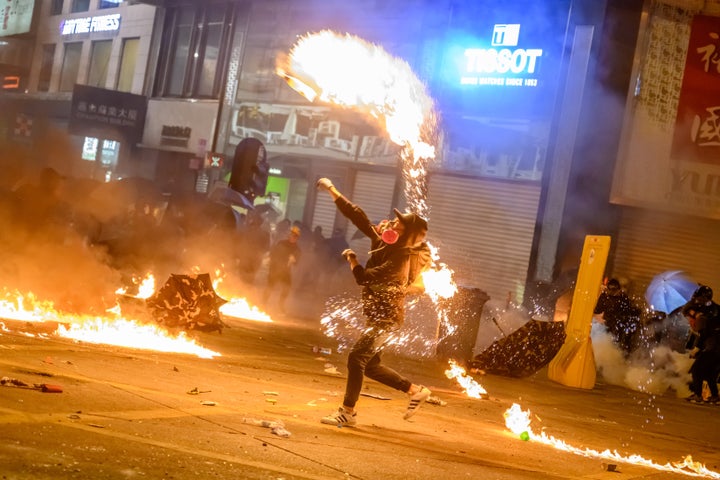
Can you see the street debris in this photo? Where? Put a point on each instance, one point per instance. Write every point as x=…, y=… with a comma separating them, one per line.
x=196, y=391
x=436, y=401
x=609, y=467
x=269, y=395
x=277, y=427
x=208, y=403
x=324, y=351
x=332, y=369
x=375, y=396
x=312, y=403
x=43, y=387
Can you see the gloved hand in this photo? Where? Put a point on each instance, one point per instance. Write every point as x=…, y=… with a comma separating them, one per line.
x=348, y=254
x=324, y=183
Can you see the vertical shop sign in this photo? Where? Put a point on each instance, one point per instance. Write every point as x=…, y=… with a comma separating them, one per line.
x=697, y=126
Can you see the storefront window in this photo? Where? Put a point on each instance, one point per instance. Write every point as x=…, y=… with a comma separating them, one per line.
x=127, y=64
x=195, y=47
x=89, y=150
x=109, y=3
x=56, y=7
x=80, y=6
x=109, y=153
x=99, y=60
x=48, y=55
x=70, y=66
x=207, y=74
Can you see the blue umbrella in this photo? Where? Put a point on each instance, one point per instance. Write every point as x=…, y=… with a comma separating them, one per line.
x=669, y=291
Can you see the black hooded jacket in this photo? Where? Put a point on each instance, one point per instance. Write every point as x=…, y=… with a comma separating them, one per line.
x=388, y=271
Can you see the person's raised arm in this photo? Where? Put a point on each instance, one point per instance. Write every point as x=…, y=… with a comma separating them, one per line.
x=327, y=185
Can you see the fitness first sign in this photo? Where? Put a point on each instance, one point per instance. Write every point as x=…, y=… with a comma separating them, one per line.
x=507, y=63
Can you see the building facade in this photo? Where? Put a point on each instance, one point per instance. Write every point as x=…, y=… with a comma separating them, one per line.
x=528, y=148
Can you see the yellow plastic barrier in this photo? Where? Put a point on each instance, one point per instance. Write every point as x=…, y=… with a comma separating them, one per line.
x=574, y=364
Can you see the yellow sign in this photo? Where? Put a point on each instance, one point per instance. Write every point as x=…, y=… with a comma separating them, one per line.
x=574, y=365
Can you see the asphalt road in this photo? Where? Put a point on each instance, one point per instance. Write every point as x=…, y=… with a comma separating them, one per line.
x=126, y=414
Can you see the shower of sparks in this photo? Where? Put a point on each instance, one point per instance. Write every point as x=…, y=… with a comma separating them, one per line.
x=518, y=422
x=348, y=71
x=470, y=387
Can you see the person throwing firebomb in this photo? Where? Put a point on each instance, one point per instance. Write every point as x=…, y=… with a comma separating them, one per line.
x=397, y=251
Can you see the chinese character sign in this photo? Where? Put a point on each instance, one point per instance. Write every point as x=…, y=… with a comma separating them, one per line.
x=697, y=126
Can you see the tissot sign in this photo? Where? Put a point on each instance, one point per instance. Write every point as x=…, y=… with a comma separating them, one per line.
x=502, y=61
x=505, y=63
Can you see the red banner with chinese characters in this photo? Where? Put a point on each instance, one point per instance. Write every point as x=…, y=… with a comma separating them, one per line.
x=697, y=125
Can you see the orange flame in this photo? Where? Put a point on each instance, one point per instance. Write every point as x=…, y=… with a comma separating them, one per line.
x=27, y=308
x=470, y=386
x=518, y=422
x=110, y=330
x=348, y=71
x=438, y=280
x=127, y=333
x=145, y=289
x=240, y=308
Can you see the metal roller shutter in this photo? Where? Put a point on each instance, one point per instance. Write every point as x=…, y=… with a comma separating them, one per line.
x=325, y=210
x=324, y=214
x=651, y=242
x=374, y=193
x=484, y=230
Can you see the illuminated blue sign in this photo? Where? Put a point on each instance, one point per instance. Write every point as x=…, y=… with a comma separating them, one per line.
x=504, y=64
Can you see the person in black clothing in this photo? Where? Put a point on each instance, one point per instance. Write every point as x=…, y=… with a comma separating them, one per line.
x=284, y=255
x=703, y=315
x=621, y=318
x=254, y=244
x=396, y=247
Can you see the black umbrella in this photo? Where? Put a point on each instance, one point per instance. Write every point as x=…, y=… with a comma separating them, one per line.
x=523, y=352
x=188, y=301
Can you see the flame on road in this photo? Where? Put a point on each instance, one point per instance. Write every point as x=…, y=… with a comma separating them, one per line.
x=470, y=387
x=240, y=308
x=518, y=422
x=127, y=333
x=25, y=307
x=108, y=330
x=146, y=287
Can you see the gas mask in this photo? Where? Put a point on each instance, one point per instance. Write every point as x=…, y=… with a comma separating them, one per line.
x=387, y=234
x=390, y=236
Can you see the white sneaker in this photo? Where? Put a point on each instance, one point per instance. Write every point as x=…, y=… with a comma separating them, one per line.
x=416, y=400
x=340, y=418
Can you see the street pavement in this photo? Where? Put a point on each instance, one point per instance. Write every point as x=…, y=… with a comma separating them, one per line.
x=129, y=413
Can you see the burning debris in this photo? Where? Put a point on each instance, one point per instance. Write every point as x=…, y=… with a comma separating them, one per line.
x=518, y=422
x=109, y=329
x=471, y=388
x=43, y=387
x=189, y=302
